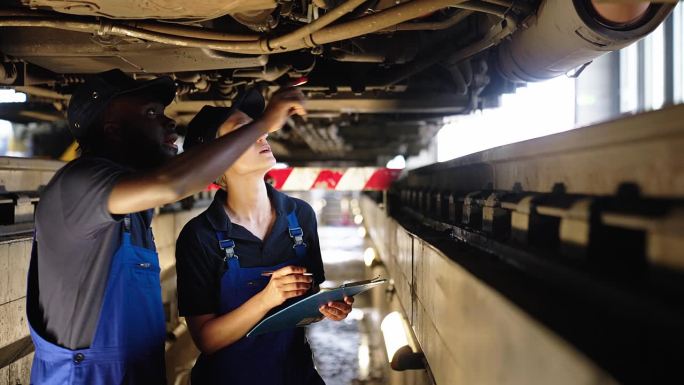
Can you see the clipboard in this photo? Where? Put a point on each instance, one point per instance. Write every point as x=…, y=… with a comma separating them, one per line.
x=305, y=311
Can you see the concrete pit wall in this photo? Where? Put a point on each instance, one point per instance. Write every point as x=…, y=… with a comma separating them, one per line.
x=470, y=333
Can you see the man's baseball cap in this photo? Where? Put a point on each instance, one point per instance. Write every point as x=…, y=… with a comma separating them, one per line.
x=202, y=128
x=92, y=97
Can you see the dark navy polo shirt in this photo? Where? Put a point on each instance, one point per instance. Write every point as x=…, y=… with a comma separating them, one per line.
x=199, y=259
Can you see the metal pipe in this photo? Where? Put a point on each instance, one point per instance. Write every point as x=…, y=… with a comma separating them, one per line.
x=17, y=12
x=459, y=79
x=378, y=21
x=164, y=28
x=484, y=7
x=520, y=5
x=195, y=32
x=280, y=42
x=507, y=27
x=502, y=3
x=564, y=35
x=430, y=26
x=269, y=73
x=348, y=30
x=105, y=27
x=356, y=57
x=42, y=92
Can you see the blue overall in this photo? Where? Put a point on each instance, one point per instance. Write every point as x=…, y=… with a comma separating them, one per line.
x=128, y=347
x=279, y=358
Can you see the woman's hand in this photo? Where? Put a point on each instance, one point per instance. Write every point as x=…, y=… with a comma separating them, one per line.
x=337, y=311
x=285, y=283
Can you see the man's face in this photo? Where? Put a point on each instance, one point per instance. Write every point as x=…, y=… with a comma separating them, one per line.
x=145, y=133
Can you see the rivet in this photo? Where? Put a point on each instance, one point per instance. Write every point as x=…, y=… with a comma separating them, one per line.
x=78, y=358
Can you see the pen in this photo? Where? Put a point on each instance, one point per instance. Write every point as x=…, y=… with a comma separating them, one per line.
x=270, y=273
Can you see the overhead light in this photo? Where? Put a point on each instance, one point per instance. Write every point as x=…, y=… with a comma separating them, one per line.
x=364, y=358
x=402, y=351
x=12, y=96
x=369, y=256
x=398, y=162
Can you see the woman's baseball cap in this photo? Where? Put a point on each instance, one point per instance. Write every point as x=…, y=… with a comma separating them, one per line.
x=202, y=128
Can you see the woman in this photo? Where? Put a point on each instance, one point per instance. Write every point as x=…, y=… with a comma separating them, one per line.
x=252, y=250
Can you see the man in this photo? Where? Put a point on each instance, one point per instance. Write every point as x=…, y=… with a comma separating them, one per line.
x=94, y=301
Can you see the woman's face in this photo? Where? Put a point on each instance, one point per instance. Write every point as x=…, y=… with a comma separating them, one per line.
x=257, y=158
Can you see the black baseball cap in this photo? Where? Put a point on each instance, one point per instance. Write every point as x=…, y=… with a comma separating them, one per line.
x=202, y=128
x=91, y=98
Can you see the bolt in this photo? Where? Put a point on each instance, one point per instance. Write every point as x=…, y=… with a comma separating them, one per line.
x=317, y=50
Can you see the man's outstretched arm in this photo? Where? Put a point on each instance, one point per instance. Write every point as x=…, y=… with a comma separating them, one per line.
x=194, y=170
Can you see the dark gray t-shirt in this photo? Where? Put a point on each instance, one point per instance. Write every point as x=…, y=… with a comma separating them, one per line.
x=77, y=238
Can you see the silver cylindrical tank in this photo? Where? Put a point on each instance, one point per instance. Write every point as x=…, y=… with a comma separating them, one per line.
x=565, y=34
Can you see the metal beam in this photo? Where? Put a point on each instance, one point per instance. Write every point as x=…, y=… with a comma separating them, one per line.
x=436, y=103
x=430, y=104
x=644, y=149
x=641, y=75
x=668, y=27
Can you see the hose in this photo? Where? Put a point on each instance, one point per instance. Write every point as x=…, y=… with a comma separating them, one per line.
x=301, y=33
x=432, y=25
x=172, y=35
x=108, y=28
x=508, y=26
x=195, y=32
x=378, y=21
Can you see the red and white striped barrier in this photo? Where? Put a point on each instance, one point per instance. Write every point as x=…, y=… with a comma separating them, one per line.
x=338, y=179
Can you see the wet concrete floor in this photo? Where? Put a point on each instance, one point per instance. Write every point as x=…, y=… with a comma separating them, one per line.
x=348, y=352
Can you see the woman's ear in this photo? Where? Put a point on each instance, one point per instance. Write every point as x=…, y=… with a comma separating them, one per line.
x=221, y=182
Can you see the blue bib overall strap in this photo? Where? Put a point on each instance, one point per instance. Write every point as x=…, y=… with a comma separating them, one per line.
x=279, y=358
x=297, y=234
x=128, y=346
x=228, y=246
